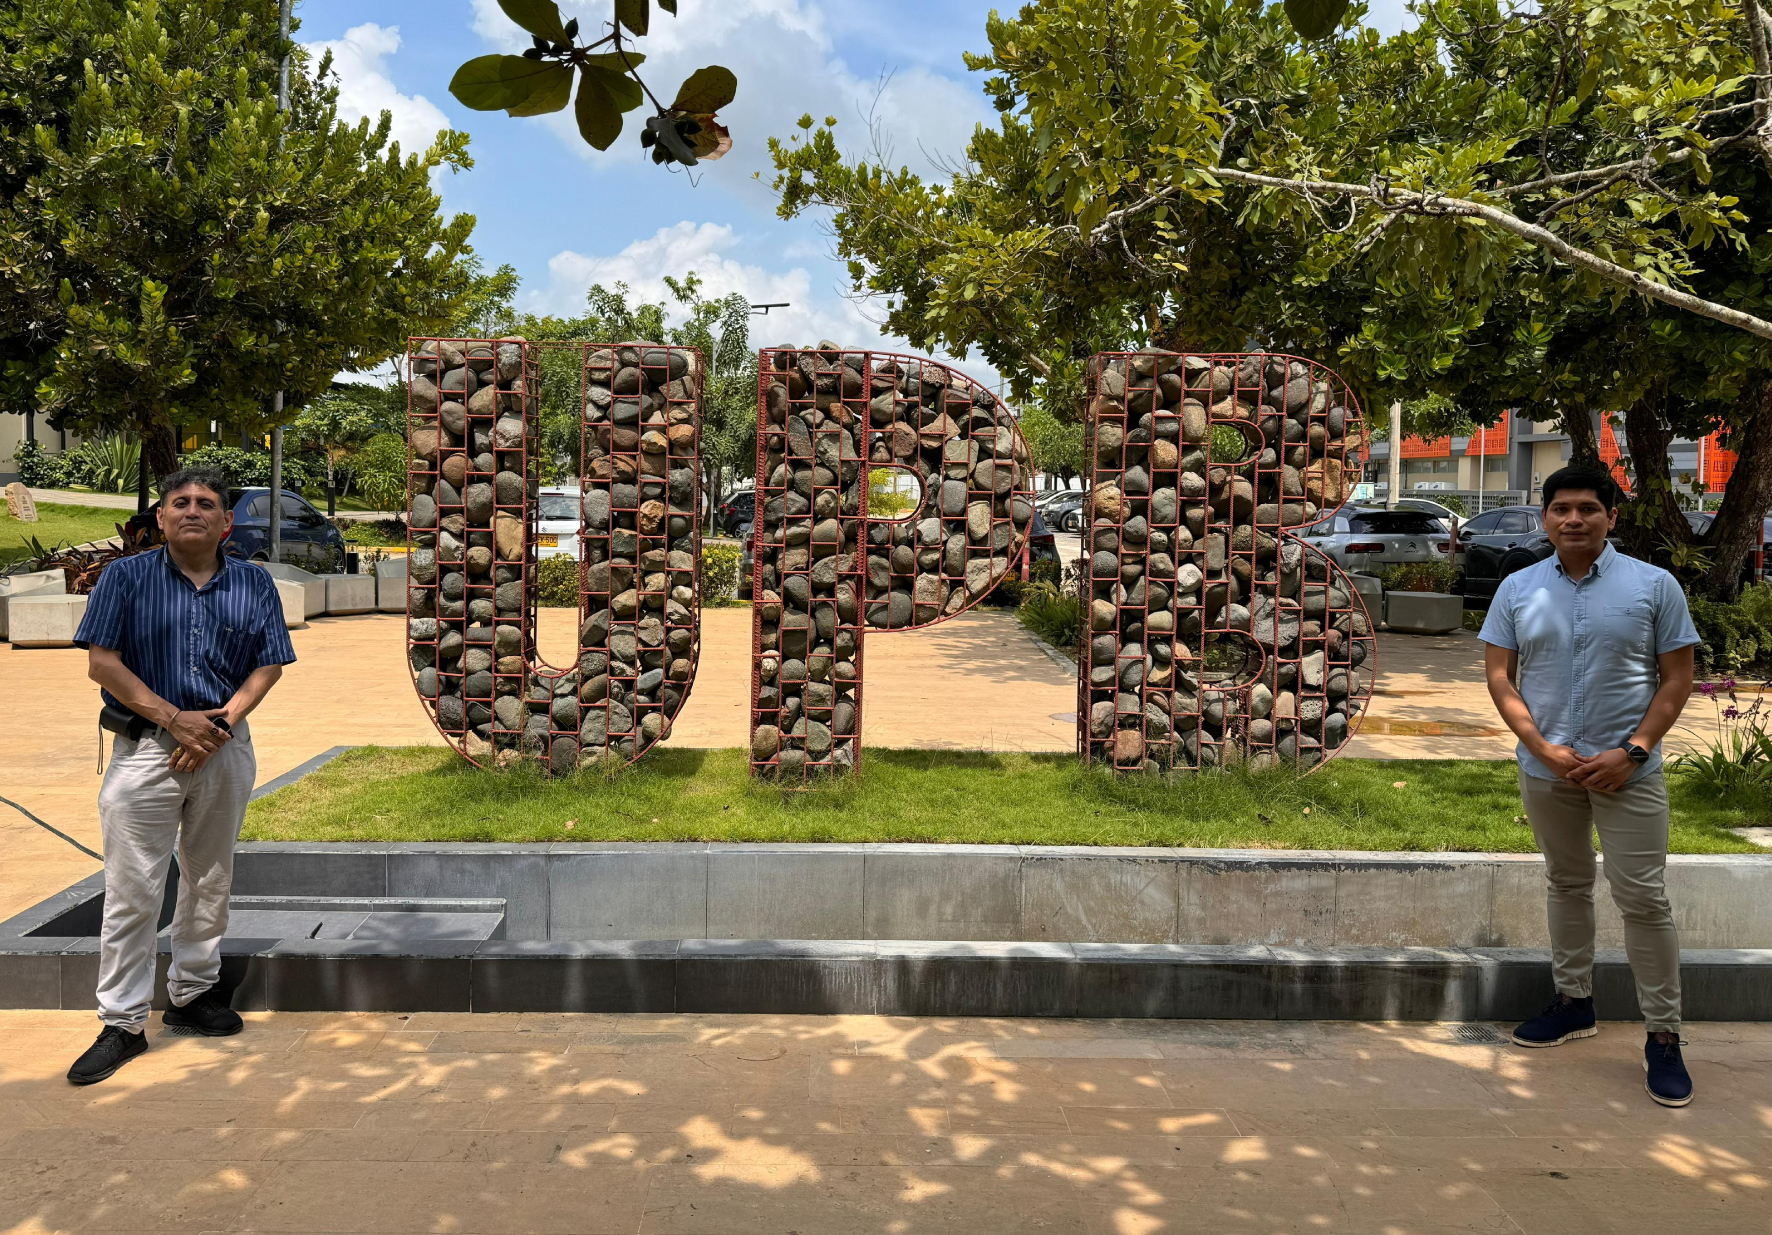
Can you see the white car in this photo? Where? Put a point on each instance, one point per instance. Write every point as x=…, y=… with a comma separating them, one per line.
x=556, y=522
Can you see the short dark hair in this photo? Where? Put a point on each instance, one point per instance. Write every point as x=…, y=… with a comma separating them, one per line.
x=1582, y=476
x=185, y=477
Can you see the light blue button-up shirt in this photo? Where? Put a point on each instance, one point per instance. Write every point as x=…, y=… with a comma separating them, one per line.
x=1588, y=649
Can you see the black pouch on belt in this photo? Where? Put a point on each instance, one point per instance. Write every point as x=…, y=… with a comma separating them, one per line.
x=114, y=718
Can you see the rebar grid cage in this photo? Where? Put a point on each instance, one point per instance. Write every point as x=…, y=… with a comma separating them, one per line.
x=473, y=487
x=1213, y=636
x=472, y=411
x=639, y=546
x=825, y=569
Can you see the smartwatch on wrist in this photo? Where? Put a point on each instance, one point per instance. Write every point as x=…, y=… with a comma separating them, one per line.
x=1637, y=754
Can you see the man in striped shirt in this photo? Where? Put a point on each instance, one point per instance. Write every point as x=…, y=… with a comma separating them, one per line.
x=190, y=642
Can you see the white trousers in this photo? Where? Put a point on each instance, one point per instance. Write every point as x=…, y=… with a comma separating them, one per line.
x=146, y=809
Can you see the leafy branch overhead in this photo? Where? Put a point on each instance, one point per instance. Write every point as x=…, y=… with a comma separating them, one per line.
x=609, y=84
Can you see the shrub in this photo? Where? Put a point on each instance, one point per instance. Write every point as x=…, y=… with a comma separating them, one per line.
x=1052, y=615
x=1418, y=577
x=1736, y=762
x=248, y=469
x=1730, y=637
x=556, y=582
x=39, y=470
x=380, y=471
x=375, y=532
x=719, y=574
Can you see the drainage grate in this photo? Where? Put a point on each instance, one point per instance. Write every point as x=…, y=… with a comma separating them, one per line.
x=1483, y=1035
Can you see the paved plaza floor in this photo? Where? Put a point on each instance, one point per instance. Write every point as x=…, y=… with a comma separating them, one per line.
x=725, y=1125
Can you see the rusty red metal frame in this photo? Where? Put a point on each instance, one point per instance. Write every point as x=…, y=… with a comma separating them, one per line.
x=641, y=452
x=472, y=556
x=809, y=619
x=1212, y=635
x=459, y=602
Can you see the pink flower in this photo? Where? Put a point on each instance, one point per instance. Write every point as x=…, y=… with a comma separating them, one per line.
x=1707, y=689
x=1731, y=714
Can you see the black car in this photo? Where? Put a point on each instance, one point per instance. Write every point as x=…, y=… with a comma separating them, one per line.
x=1752, y=571
x=306, y=538
x=736, y=511
x=1493, y=545
x=1064, y=513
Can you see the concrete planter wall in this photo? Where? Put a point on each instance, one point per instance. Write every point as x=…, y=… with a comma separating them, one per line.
x=584, y=891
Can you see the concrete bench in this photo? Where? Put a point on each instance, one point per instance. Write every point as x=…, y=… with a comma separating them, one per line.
x=314, y=585
x=294, y=599
x=1371, y=590
x=44, y=619
x=1423, y=613
x=390, y=585
x=350, y=594
x=13, y=586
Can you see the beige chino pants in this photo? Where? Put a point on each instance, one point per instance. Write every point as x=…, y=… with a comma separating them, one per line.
x=146, y=810
x=1632, y=825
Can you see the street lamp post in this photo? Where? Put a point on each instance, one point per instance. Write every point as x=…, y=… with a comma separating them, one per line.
x=277, y=399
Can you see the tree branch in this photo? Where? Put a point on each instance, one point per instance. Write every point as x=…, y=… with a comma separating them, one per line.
x=1427, y=204
x=1756, y=30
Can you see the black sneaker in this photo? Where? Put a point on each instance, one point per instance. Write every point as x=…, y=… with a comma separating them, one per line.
x=114, y=1048
x=1566, y=1018
x=207, y=1014
x=1668, y=1081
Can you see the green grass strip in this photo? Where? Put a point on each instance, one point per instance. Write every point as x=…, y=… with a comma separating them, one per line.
x=425, y=793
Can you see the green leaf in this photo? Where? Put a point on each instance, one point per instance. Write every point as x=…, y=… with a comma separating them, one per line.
x=706, y=91
x=1315, y=19
x=538, y=17
x=634, y=14
x=669, y=6
x=599, y=120
x=623, y=90
x=620, y=61
x=494, y=83
x=550, y=93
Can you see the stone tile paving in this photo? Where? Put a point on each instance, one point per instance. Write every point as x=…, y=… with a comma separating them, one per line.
x=720, y=1125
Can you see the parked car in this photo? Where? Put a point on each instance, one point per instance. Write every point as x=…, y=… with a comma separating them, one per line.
x=1496, y=543
x=1445, y=514
x=307, y=538
x=556, y=522
x=736, y=511
x=1373, y=539
x=1753, y=572
x=1065, y=512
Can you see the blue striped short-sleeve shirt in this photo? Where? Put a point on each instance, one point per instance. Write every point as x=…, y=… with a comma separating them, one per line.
x=191, y=646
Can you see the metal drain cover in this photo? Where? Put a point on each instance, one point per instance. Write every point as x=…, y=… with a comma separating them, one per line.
x=1483, y=1035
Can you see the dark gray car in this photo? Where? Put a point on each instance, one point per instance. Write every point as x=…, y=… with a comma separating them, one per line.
x=1496, y=543
x=1373, y=539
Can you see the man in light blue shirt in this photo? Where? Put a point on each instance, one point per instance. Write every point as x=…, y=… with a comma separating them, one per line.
x=1600, y=646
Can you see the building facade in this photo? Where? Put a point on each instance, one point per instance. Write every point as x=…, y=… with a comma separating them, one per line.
x=1508, y=462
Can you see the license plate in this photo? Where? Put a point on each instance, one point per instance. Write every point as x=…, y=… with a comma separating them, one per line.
x=550, y=540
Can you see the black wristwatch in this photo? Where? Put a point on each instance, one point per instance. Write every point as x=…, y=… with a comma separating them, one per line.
x=1637, y=754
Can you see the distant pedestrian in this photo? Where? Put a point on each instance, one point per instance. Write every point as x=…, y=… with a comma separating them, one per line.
x=185, y=644
x=1600, y=646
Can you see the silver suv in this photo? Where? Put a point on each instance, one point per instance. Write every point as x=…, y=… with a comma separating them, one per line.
x=1373, y=539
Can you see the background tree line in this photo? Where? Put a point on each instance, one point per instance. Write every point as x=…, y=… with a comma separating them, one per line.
x=1556, y=207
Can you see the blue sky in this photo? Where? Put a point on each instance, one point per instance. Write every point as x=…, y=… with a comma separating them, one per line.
x=566, y=216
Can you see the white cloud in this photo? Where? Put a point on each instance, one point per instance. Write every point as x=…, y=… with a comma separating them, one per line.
x=783, y=55
x=365, y=89
x=814, y=313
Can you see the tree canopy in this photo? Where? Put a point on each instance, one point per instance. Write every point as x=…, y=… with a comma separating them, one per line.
x=1556, y=207
x=173, y=248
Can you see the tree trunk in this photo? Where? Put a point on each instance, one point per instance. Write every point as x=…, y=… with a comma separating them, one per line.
x=1578, y=423
x=159, y=451
x=1653, y=519
x=1737, y=530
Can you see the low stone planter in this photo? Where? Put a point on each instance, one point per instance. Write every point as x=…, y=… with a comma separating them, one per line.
x=1423, y=613
x=36, y=581
x=347, y=594
x=44, y=619
x=294, y=599
x=315, y=587
x=390, y=585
